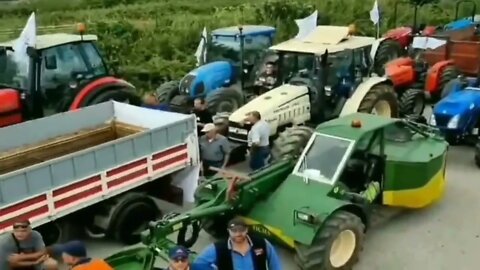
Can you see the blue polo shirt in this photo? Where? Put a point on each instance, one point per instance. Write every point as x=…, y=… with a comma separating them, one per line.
x=208, y=258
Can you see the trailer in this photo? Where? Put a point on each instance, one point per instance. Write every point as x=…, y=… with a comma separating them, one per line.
x=96, y=169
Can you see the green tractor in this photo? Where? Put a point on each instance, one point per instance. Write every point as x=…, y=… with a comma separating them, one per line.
x=344, y=170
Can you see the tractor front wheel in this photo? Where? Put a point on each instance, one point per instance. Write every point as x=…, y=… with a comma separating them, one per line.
x=224, y=100
x=291, y=142
x=448, y=74
x=166, y=91
x=381, y=99
x=412, y=102
x=388, y=50
x=336, y=246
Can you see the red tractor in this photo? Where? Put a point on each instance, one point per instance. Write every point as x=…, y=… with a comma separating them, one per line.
x=63, y=72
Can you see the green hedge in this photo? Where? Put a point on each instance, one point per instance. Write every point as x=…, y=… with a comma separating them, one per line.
x=149, y=42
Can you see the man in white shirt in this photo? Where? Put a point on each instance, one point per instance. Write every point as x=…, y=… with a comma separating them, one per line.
x=258, y=140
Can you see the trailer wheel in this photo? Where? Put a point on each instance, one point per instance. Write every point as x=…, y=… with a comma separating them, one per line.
x=60, y=231
x=224, y=100
x=381, y=99
x=166, y=91
x=477, y=155
x=448, y=74
x=291, y=142
x=336, y=246
x=388, y=50
x=132, y=220
x=120, y=95
x=412, y=102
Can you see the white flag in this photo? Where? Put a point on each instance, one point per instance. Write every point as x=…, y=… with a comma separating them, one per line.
x=201, y=53
x=306, y=25
x=27, y=38
x=375, y=13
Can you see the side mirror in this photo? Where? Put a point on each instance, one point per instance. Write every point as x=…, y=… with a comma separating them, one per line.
x=51, y=62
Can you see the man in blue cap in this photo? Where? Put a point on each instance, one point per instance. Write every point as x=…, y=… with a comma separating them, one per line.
x=74, y=254
x=178, y=258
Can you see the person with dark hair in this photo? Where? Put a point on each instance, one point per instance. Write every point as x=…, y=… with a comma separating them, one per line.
x=24, y=249
x=268, y=78
x=258, y=140
x=239, y=251
x=200, y=109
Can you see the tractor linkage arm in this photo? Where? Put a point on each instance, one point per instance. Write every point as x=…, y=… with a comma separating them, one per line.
x=422, y=129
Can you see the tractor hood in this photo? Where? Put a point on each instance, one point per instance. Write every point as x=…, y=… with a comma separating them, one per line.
x=268, y=102
x=207, y=77
x=458, y=102
x=277, y=213
x=140, y=258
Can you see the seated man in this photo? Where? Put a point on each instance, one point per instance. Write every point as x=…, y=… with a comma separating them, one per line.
x=268, y=78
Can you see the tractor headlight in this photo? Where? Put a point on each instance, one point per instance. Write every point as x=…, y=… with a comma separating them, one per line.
x=453, y=123
x=304, y=217
x=432, y=121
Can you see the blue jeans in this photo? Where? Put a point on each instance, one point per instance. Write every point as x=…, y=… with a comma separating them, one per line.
x=258, y=157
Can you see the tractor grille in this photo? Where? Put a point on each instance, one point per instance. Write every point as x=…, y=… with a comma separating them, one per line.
x=237, y=132
x=186, y=84
x=442, y=120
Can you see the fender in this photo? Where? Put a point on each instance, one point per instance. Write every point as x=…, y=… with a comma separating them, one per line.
x=95, y=85
x=402, y=34
x=375, y=45
x=434, y=74
x=352, y=104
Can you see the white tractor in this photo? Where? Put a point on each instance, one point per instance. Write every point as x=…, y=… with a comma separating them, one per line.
x=326, y=75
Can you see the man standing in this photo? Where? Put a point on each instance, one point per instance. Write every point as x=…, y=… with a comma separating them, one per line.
x=258, y=140
x=24, y=249
x=74, y=254
x=200, y=110
x=214, y=149
x=239, y=252
x=178, y=259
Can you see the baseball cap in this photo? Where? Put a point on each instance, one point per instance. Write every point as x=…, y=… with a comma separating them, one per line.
x=178, y=252
x=73, y=248
x=208, y=127
x=237, y=223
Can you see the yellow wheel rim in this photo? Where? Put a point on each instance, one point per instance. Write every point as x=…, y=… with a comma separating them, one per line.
x=343, y=248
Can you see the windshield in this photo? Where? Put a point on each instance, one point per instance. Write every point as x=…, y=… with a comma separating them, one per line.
x=228, y=48
x=323, y=158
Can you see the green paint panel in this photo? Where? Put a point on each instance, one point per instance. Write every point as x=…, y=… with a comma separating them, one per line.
x=294, y=194
x=342, y=127
x=132, y=259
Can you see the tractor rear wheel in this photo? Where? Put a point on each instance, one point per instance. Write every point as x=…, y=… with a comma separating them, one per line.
x=336, y=246
x=381, y=99
x=166, y=91
x=448, y=74
x=388, y=50
x=224, y=100
x=291, y=142
x=477, y=155
x=412, y=102
x=120, y=95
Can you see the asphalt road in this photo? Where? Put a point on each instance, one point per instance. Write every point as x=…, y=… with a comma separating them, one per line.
x=444, y=236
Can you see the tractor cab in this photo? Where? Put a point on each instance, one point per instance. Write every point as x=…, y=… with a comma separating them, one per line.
x=62, y=72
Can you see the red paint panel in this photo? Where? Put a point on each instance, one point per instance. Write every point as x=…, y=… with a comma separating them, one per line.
x=10, y=100
x=77, y=185
x=30, y=215
x=23, y=204
x=170, y=161
x=78, y=196
x=127, y=178
x=169, y=152
x=127, y=167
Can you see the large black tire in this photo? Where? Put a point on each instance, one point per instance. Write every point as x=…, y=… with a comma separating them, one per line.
x=61, y=230
x=291, y=142
x=377, y=98
x=412, y=102
x=388, y=50
x=166, y=91
x=224, y=100
x=449, y=74
x=318, y=256
x=477, y=155
x=131, y=219
x=121, y=95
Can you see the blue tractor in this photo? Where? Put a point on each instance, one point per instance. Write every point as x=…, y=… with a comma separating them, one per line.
x=232, y=56
x=457, y=115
